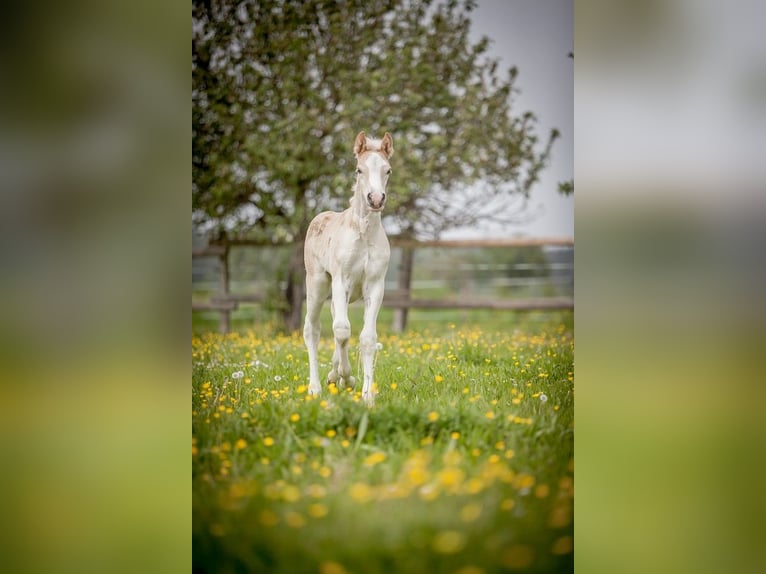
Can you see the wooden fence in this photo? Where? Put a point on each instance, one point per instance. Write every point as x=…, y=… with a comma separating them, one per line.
x=225, y=302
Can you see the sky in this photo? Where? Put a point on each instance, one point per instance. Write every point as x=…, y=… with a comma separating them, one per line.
x=536, y=36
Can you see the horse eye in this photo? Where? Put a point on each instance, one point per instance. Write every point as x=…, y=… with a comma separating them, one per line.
x=388, y=171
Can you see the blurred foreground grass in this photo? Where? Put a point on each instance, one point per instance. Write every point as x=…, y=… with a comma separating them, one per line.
x=465, y=464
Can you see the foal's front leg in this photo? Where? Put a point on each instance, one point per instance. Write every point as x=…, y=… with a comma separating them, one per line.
x=341, y=327
x=368, y=339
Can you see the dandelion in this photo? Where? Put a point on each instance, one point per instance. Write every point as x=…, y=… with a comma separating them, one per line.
x=517, y=557
x=325, y=472
x=542, y=491
x=360, y=492
x=393, y=385
x=301, y=389
x=268, y=441
x=451, y=478
x=294, y=519
x=378, y=346
x=316, y=491
x=490, y=415
x=438, y=378
x=240, y=444
x=543, y=397
x=268, y=518
x=374, y=458
x=295, y=417
x=317, y=510
x=455, y=435
x=448, y=542
x=563, y=545
x=277, y=378
x=507, y=504
x=331, y=568
x=291, y=493
x=470, y=512
x=331, y=433
x=433, y=416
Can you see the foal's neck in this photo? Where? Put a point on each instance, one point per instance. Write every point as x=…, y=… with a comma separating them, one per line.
x=368, y=221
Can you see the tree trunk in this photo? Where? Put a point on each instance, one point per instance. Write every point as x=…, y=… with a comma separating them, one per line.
x=295, y=292
x=404, y=282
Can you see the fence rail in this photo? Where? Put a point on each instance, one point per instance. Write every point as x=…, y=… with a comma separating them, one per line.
x=224, y=302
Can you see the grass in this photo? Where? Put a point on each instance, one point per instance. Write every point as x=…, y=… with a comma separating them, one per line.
x=465, y=464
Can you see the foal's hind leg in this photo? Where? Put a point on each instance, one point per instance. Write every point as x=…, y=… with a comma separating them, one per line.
x=341, y=326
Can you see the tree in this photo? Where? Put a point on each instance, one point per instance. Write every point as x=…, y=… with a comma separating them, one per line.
x=281, y=87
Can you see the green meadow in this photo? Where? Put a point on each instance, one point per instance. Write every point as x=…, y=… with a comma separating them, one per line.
x=464, y=465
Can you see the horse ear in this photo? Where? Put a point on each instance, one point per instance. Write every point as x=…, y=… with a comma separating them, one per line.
x=360, y=143
x=387, y=145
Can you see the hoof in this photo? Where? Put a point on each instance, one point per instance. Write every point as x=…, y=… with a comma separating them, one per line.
x=314, y=390
x=369, y=399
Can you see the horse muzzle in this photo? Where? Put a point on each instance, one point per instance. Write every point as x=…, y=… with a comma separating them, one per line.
x=376, y=201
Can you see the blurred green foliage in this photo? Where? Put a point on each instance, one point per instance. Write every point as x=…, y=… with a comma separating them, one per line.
x=281, y=88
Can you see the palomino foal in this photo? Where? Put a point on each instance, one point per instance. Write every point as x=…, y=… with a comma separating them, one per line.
x=347, y=254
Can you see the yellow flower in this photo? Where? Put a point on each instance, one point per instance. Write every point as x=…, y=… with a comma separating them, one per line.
x=240, y=444
x=393, y=386
x=517, y=557
x=316, y=491
x=301, y=389
x=470, y=512
x=268, y=518
x=291, y=493
x=451, y=478
x=331, y=433
x=317, y=510
x=294, y=520
x=295, y=417
x=507, y=504
x=331, y=568
x=433, y=416
x=448, y=542
x=542, y=490
x=563, y=545
x=325, y=472
x=524, y=481
x=360, y=492
x=490, y=415
x=374, y=458
x=455, y=435
x=344, y=443
x=194, y=450
x=268, y=441
x=438, y=378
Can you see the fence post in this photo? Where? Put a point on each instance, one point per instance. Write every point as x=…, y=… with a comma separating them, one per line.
x=404, y=282
x=223, y=287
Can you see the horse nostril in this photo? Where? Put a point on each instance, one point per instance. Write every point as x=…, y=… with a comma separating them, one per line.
x=369, y=197
x=383, y=198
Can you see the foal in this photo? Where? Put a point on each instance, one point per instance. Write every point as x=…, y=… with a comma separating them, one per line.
x=347, y=254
